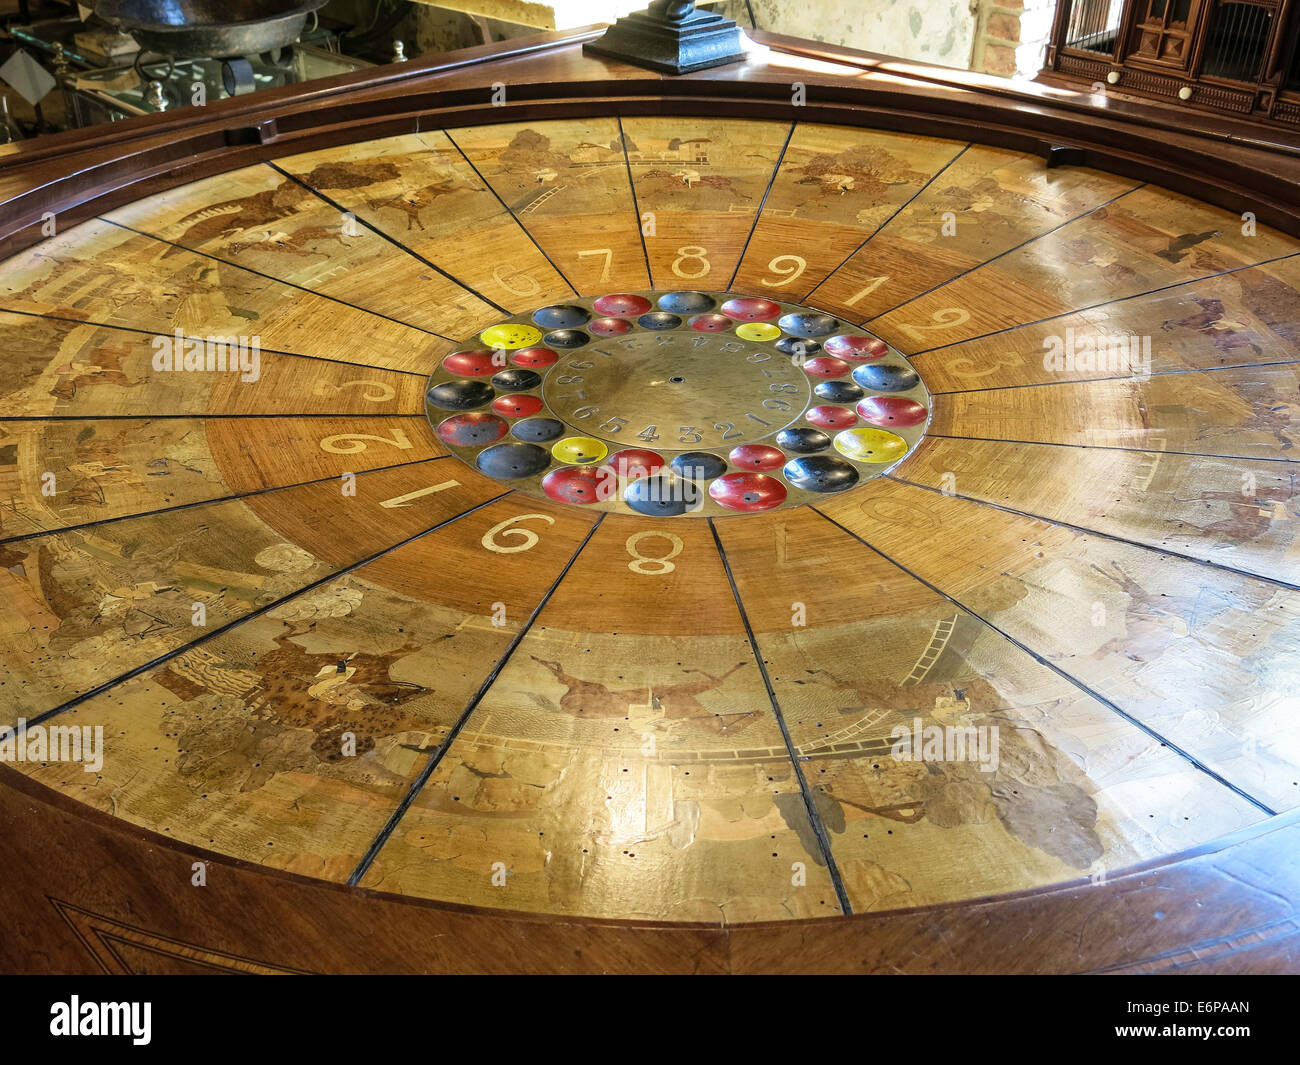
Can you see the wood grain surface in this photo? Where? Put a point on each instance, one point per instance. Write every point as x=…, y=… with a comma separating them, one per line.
x=380, y=692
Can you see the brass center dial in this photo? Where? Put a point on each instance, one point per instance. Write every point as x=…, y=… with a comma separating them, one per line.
x=678, y=403
x=677, y=391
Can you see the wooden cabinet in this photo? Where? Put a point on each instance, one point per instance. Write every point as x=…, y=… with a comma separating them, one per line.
x=1234, y=56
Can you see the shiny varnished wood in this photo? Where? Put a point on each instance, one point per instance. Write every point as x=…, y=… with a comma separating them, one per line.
x=439, y=708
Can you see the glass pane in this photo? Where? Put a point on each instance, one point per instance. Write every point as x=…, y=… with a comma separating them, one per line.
x=1094, y=25
x=1234, y=47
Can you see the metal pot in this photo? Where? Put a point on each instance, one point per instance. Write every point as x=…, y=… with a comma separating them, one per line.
x=192, y=29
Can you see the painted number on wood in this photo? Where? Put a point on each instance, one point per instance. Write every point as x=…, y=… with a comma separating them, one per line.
x=788, y=268
x=653, y=565
x=948, y=318
x=689, y=252
x=518, y=282
x=499, y=532
x=351, y=443
x=376, y=391
x=859, y=296
x=608, y=253
x=409, y=499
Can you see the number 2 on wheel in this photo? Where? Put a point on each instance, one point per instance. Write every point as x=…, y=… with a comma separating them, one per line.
x=351, y=443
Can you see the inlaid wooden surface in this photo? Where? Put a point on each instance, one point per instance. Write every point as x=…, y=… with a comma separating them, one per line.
x=1075, y=789
x=980, y=206
x=702, y=182
x=1127, y=622
x=67, y=368
x=1237, y=318
x=835, y=191
x=411, y=677
x=422, y=192
x=101, y=273
x=264, y=220
x=1143, y=241
x=568, y=186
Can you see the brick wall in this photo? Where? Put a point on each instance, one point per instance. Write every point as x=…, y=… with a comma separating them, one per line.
x=1011, y=36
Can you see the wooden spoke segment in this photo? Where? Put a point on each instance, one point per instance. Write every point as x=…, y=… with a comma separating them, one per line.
x=1130, y=624
x=254, y=454
x=1145, y=240
x=76, y=471
x=1233, y=512
x=567, y=184
x=1231, y=412
x=65, y=368
x=699, y=185
x=420, y=192
x=98, y=272
x=868, y=664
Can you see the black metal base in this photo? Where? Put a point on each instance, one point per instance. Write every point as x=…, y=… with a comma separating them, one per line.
x=701, y=40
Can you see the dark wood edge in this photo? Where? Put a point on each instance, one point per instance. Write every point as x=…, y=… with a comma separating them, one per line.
x=1043, y=90
x=17, y=781
x=549, y=78
x=1238, y=891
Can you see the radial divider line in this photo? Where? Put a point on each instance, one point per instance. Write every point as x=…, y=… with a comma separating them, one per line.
x=264, y=351
x=1107, y=303
x=1119, y=377
x=272, y=277
x=508, y=210
x=251, y=615
x=235, y=497
x=995, y=258
x=435, y=758
x=810, y=803
x=390, y=238
x=1086, y=531
x=1075, y=681
x=899, y=210
x=1114, y=447
x=636, y=206
x=758, y=215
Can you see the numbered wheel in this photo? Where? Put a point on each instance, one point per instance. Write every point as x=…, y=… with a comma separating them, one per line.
x=536, y=537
